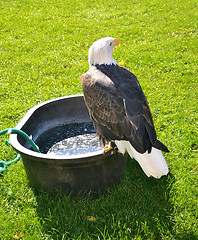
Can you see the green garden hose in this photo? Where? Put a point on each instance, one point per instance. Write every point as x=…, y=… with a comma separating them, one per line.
x=3, y=164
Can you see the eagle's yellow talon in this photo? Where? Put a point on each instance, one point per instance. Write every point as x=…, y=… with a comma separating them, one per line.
x=116, y=149
x=107, y=148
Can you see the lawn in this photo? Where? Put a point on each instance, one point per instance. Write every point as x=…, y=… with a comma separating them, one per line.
x=44, y=46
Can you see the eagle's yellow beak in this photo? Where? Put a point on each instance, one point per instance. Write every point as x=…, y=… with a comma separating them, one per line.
x=116, y=42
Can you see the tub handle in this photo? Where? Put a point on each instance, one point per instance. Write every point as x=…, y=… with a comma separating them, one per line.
x=3, y=164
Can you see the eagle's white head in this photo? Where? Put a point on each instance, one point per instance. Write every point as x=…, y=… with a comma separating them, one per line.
x=100, y=51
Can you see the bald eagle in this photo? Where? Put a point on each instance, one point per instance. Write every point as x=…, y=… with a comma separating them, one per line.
x=119, y=109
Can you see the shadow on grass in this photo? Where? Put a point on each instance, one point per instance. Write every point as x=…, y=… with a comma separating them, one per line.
x=137, y=207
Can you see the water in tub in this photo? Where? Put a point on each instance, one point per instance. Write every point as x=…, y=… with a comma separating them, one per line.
x=70, y=139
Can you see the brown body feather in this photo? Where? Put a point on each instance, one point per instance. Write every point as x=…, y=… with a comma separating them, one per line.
x=118, y=107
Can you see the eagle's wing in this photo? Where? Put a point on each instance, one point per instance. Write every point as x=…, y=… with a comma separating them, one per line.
x=137, y=108
x=105, y=105
x=119, y=109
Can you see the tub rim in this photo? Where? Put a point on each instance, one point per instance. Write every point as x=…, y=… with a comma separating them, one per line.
x=25, y=151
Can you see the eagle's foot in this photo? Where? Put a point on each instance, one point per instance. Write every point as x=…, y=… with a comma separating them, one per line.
x=116, y=149
x=111, y=146
x=107, y=148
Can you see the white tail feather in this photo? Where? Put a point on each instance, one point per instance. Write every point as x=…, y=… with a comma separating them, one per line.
x=153, y=164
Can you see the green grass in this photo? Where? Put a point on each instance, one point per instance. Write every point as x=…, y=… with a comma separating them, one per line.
x=44, y=47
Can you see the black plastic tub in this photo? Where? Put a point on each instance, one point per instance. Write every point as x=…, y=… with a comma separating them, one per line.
x=75, y=174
